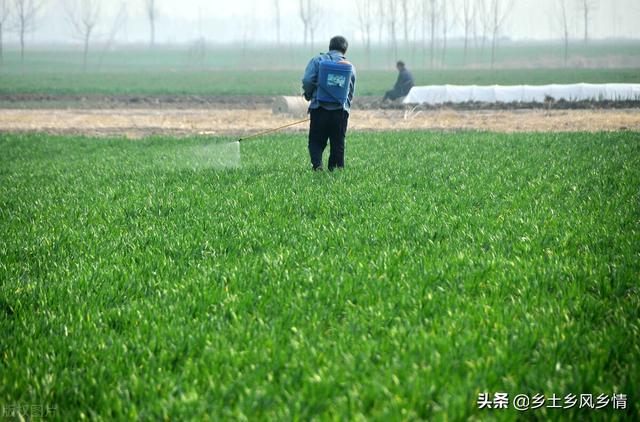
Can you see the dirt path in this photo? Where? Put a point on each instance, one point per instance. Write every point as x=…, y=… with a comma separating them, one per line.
x=135, y=123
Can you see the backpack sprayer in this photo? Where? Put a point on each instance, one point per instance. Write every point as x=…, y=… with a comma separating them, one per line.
x=334, y=79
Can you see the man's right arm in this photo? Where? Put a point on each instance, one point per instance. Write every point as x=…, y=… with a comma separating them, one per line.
x=310, y=79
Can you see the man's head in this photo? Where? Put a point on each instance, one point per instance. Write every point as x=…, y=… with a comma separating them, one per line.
x=400, y=66
x=339, y=43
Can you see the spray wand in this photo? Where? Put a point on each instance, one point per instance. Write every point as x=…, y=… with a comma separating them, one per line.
x=273, y=130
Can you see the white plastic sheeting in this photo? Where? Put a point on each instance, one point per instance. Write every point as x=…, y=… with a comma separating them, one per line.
x=441, y=94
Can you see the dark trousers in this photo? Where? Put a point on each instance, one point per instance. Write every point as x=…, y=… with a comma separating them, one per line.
x=331, y=125
x=392, y=95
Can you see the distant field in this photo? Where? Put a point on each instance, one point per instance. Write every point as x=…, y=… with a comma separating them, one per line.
x=621, y=54
x=285, y=82
x=272, y=71
x=436, y=267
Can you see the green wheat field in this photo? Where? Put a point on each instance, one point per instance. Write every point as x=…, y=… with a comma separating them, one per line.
x=138, y=283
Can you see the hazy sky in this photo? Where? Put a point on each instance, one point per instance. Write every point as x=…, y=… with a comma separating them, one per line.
x=225, y=21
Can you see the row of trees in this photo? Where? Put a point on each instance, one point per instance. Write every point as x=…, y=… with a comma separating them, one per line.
x=428, y=23
x=23, y=17
x=424, y=24
x=82, y=15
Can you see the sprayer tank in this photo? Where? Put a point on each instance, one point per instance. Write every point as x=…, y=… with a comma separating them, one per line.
x=334, y=79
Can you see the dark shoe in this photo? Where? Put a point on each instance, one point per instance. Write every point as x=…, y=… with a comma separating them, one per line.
x=319, y=168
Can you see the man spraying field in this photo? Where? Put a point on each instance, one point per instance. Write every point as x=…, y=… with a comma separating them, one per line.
x=329, y=83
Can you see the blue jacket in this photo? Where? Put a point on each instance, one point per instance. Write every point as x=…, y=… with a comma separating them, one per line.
x=310, y=82
x=404, y=83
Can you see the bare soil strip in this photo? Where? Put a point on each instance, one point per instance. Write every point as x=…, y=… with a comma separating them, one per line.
x=143, y=101
x=136, y=123
x=255, y=102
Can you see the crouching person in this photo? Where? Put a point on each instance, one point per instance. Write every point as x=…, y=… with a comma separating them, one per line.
x=329, y=83
x=403, y=84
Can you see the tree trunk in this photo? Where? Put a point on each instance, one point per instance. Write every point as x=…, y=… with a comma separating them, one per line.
x=474, y=30
x=22, y=43
x=444, y=48
x=493, y=49
x=86, y=50
x=444, y=32
x=405, y=15
x=466, y=43
x=566, y=48
x=495, y=28
x=1, y=46
x=483, y=41
x=311, y=37
x=467, y=30
x=304, y=39
x=432, y=48
x=586, y=23
x=368, y=45
x=153, y=32
x=394, y=43
x=277, y=10
x=423, y=29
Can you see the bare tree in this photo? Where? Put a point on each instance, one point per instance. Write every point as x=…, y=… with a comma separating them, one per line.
x=476, y=24
x=587, y=7
x=26, y=12
x=316, y=19
x=615, y=18
x=276, y=9
x=392, y=22
x=4, y=15
x=447, y=25
x=152, y=14
x=380, y=13
x=563, y=20
x=248, y=31
x=310, y=15
x=468, y=21
x=365, y=19
x=304, y=17
x=500, y=11
x=119, y=22
x=83, y=16
x=406, y=19
x=484, y=21
x=424, y=28
x=429, y=20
